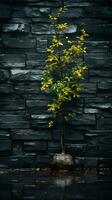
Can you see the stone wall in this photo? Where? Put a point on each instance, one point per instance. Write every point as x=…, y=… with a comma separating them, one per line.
x=25, y=140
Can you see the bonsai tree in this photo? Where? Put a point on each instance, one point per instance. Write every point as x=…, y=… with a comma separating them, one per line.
x=63, y=70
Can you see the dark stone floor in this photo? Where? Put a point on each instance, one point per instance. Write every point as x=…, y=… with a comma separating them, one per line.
x=84, y=184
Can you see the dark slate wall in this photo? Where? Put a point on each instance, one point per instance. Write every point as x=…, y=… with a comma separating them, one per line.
x=25, y=140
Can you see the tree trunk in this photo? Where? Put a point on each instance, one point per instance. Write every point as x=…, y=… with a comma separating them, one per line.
x=62, y=122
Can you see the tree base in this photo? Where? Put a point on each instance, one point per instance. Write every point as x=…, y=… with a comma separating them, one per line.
x=62, y=161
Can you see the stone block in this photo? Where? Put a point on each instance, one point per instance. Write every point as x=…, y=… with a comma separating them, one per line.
x=4, y=75
x=17, y=148
x=99, y=79
x=19, y=20
x=96, y=12
x=4, y=134
x=76, y=149
x=42, y=160
x=100, y=73
x=91, y=110
x=99, y=60
x=41, y=120
x=10, y=97
x=71, y=135
x=32, y=192
x=88, y=3
x=31, y=134
x=20, y=28
x=97, y=46
x=71, y=3
x=44, y=20
x=83, y=119
x=98, y=103
x=72, y=13
x=89, y=88
x=0, y=43
x=12, y=105
x=39, y=97
x=6, y=88
x=95, y=21
x=105, y=138
x=36, y=11
x=20, y=161
x=77, y=103
x=37, y=106
x=53, y=3
x=41, y=29
x=5, y=11
x=76, y=110
x=104, y=122
x=98, y=99
x=100, y=29
x=54, y=147
x=105, y=162
x=35, y=146
x=5, y=145
x=44, y=10
x=105, y=86
x=35, y=60
x=13, y=121
x=92, y=148
x=30, y=12
x=91, y=162
x=12, y=60
x=26, y=75
x=41, y=43
x=111, y=43
x=20, y=43
x=71, y=29
x=26, y=88
x=19, y=11
x=56, y=192
x=79, y=161
x=105, y=151
x=98, y=132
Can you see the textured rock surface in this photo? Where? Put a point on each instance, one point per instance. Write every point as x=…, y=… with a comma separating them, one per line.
x=25, y=140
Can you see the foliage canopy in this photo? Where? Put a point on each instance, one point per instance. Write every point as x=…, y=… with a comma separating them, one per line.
x=63, y=68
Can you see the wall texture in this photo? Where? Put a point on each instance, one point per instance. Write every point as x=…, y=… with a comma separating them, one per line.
x=25, y=140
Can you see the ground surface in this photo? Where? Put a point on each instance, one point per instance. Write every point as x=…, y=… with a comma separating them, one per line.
x=89, y=184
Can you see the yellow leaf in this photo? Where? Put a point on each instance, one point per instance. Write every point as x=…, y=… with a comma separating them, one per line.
x=50, y=124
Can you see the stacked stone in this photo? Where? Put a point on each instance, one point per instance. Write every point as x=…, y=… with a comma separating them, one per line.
x=25, y=139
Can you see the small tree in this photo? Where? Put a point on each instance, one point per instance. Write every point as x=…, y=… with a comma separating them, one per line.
x=63, y=69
